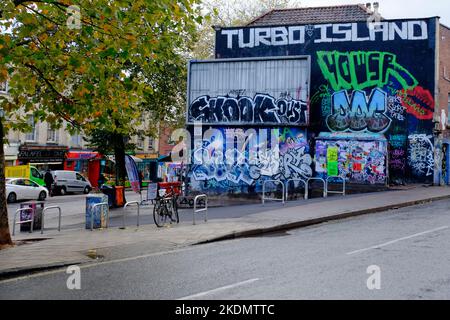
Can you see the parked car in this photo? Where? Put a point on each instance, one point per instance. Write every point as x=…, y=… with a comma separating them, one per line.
x=70, y=181
x=24, y=189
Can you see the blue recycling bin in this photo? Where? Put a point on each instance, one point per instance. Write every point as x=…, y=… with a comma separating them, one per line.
x=100, y=213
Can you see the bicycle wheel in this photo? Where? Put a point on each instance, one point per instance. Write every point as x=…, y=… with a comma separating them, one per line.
x=158, y=214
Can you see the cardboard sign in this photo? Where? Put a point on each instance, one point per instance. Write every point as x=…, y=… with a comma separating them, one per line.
x=152, y=191
x=333, y=170
x=332, y=154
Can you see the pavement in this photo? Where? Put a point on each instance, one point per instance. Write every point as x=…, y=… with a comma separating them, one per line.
x=76, y=245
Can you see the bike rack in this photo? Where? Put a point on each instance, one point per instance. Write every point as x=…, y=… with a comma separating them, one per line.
x=205, y=209
x=102, y=204
x=59, y=217
x=295, y=180
x=26, y=221
x=273, y=199
x=325, y=191
x=343, y=186
x=138, y=212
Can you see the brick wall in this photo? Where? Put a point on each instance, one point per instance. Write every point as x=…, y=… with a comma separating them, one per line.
x=444, y=57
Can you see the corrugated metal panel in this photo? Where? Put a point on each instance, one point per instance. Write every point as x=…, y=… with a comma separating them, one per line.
x=279, y=78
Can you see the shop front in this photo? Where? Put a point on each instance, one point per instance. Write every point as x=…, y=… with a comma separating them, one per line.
x=88, y=163
x=43, y=157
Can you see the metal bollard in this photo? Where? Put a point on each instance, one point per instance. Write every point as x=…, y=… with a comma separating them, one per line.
x=93, y=211
x=138, y=212
x=273, y=199
x=21, y=222
x=205, y=209
x=43, y=217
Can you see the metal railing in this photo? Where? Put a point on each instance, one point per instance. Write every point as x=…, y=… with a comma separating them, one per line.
x=273, y=199
x=102, y=204
x=22, y=222
x=296, y=180
x=43, y=217
x=325, y=191
x=343, y=185
x=205, y=209
x=138, y=212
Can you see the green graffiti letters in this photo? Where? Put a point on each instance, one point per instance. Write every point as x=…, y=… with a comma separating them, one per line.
x=360, y=70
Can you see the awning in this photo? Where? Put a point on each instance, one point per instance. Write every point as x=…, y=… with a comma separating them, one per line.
x=113, y=158
x=81, y=155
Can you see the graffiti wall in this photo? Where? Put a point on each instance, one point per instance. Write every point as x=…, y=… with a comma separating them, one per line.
x=360, y=159
x=363, y=80
x=230, y=160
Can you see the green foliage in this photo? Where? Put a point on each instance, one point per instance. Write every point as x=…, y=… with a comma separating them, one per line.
x=124, y=59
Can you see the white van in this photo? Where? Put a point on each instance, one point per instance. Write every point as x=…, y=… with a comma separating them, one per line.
x=70, y=181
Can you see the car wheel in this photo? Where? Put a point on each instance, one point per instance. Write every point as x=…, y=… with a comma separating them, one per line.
x=63, y=191
x=12, y=197
x=42, y=196
x=86, y=190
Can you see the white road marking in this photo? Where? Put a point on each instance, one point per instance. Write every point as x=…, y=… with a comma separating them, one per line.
x=397, y=240
x=85, y=265
x=231, y=286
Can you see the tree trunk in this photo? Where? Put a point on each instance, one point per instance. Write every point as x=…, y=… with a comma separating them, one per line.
x=119, y=155
x=5, y=236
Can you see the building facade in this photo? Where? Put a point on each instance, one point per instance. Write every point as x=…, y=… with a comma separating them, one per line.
x=377, y=101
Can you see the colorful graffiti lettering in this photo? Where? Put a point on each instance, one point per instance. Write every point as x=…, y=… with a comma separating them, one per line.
x=360, y=70
x=419, y=102
x=289, y=159
x=360, y=113
x=262, y=109
x=421, y=154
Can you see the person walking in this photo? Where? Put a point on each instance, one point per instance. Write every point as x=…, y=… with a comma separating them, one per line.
x=48, y=179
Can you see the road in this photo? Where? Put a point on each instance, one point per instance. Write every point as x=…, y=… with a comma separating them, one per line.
x=330, y=261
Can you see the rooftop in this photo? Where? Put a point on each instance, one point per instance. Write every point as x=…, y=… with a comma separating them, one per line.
x=313, y=15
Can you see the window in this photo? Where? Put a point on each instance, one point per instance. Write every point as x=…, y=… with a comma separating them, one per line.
x=31, y=135
x=80, y=177
x=151, y=144
x=29, y=183
x=52, y=135
x=140, y=143
x=36, y=174
x=76, y=140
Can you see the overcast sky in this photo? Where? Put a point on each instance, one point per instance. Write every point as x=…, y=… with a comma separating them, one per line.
x=398, y=8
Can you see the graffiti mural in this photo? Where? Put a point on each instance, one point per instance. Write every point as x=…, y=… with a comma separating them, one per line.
x=421, y=154
x=237, y=170
x=261, y=109
x=359, y=162
x=359, y=113
x=378, y=82
x=373, y=92
x=360, y=70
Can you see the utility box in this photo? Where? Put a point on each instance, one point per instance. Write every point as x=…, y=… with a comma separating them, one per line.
x=99, y=213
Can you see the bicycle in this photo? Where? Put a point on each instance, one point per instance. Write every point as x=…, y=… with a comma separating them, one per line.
x=165, y=208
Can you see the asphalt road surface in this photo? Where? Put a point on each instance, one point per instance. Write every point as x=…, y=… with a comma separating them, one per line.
x=407, y=249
